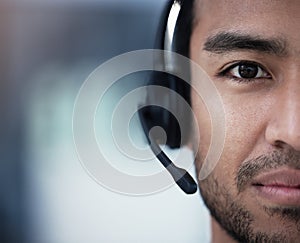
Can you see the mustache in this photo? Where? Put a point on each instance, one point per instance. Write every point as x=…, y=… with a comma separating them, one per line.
x=251, y=168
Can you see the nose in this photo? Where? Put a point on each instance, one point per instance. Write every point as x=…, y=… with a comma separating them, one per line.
x=283, y=129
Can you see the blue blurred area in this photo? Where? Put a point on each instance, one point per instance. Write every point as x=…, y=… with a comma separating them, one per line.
x=41, y=41
x=47, y=50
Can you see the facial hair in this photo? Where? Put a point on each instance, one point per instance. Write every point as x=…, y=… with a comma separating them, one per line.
x=234, y=217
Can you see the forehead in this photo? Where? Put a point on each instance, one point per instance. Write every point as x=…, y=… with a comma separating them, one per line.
x=268, y=19
x=226, y=8
x=280, y=18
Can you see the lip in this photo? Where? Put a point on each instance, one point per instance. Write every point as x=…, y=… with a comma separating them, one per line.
x=281, y=187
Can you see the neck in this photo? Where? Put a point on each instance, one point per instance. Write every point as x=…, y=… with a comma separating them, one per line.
x=219, y=235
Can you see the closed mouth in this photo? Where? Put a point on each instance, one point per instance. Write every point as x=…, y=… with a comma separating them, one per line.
x=281, y=186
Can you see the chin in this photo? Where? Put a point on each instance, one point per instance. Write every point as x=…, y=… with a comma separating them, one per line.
x=245, y=219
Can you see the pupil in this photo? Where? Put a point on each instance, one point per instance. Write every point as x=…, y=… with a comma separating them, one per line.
x=248, y=71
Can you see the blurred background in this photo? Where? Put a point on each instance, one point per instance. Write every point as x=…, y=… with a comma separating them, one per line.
x=48, y=49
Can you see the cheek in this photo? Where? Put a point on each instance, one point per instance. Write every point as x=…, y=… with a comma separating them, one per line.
x=204, y=127
x=246, y=121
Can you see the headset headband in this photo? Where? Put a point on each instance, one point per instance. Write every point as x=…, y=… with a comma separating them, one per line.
x=169, y=34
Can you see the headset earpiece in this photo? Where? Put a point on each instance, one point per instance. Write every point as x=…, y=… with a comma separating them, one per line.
x=162, y=116
x=151, y=115
x=172, y=24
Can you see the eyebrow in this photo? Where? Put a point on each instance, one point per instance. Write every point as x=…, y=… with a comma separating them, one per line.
x=224, y=42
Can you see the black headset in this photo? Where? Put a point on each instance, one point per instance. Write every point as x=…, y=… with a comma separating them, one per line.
x=177, y=20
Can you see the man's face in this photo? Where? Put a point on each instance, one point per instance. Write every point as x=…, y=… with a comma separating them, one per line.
x=251, y=51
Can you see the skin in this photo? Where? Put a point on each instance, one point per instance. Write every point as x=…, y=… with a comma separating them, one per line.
x=262, y=117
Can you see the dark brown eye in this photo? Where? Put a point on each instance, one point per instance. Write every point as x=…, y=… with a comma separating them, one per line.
x=248, y=71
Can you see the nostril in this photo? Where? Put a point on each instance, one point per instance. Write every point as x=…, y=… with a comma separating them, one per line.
x=287, y=147
x=279, y=144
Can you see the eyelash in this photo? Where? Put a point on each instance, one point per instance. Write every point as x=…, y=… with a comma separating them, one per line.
x=261, y=70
